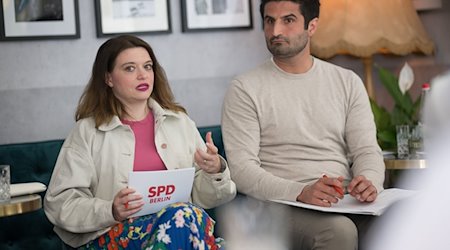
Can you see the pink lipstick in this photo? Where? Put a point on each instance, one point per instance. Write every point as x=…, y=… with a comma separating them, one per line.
x=142, y=87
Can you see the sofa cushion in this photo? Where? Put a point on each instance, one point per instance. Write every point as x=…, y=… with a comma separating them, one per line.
x=29, y=162
x=34, y=162
x=216, y=136
x=28, y=231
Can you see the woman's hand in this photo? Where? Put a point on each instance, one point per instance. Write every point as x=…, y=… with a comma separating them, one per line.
x=125, y=203
x=209, y=161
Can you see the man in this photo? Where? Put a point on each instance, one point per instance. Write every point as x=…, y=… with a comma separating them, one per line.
x=293, y=120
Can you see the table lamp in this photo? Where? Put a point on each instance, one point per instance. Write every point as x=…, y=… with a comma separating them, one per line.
x=363, y=28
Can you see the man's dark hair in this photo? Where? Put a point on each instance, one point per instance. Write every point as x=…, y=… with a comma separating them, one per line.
x=308, y=8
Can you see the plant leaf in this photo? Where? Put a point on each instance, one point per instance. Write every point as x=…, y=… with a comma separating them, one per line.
x=390, y=82
x=387, y=139
x=399, y=116
x=381, y=116
x=416, y=110
x=385, y=129
x=406, y=78
x=404, y=111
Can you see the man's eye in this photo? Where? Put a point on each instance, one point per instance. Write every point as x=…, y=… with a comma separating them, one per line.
x=269, y=21
x=289, y=20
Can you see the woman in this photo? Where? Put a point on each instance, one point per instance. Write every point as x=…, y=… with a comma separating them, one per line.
x=127, y=120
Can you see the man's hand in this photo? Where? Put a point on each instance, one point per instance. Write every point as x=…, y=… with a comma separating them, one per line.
x=323, y=192
x=362, y=189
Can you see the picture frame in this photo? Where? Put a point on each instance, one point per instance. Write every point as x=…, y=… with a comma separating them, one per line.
x=207, y=15
x=421, y=5
x=36, y=20
x=115, y=17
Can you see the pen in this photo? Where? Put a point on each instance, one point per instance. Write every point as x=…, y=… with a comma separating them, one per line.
x=338, y=189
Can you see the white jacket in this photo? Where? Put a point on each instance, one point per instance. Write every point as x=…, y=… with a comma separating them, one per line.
x=93, y=165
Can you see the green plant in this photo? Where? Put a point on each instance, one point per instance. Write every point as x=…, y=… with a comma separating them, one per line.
x=405, y=110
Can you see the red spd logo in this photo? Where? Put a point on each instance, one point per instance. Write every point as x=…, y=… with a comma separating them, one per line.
x=160, y=193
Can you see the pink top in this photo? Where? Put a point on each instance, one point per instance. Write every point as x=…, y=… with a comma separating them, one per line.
x=146, y=158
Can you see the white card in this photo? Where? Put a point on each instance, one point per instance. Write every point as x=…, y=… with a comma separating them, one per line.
x=161, y=188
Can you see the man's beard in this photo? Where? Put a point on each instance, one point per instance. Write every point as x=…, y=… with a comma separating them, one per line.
x=292, y=48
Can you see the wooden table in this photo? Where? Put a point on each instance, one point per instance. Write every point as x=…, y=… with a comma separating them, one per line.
x=20, y=205
x=392, y=163
x=397, y=167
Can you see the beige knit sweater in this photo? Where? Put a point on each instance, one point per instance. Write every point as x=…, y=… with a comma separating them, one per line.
x=283, y=131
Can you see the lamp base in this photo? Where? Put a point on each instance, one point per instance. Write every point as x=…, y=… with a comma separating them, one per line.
x=368, y=62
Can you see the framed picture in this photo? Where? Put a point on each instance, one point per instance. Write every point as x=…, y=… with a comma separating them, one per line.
x=199, y=15
x=39, y=19
x=132, y=17
x=427, y=4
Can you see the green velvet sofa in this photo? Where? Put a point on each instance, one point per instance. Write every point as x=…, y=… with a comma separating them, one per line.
x=34, y=162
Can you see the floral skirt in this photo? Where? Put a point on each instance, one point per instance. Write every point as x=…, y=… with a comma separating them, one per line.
x=177, y=226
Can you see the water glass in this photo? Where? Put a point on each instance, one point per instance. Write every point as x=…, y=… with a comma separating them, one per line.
x=402, y=141
x=5, y=194
x=416, y=142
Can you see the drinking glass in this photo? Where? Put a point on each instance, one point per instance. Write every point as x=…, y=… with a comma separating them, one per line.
x=5, y=194
x=416, y=142
x=402, y=141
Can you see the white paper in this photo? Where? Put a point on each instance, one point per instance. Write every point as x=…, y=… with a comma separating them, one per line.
x=18, y=189
x=161, y=188
x=350, y=205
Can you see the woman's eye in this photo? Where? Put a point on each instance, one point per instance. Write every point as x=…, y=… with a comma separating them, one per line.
x=149, y=66
x=129, y=68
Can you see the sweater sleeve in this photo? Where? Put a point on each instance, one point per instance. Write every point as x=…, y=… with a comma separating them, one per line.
x=241, y=135
x=360, y=135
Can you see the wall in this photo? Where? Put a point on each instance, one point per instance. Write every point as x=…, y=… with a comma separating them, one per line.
x=41, y=81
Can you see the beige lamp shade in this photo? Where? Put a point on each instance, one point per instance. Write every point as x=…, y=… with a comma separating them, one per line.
x=364, y=27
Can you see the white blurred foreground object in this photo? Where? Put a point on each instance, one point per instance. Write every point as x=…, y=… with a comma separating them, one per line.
x=423, y=222
x=250, y=224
